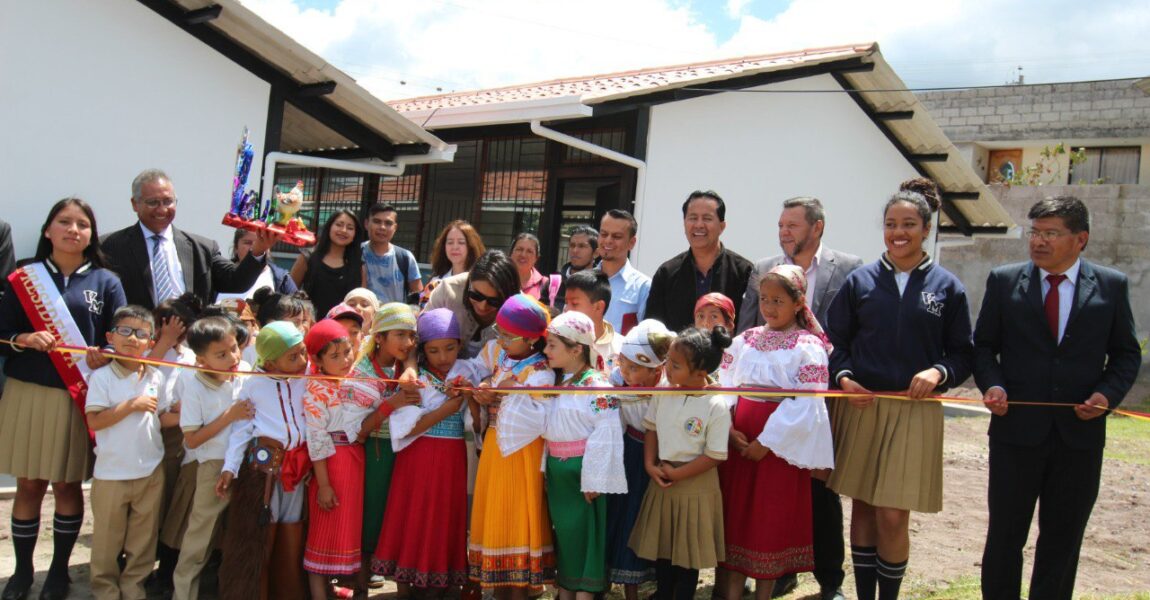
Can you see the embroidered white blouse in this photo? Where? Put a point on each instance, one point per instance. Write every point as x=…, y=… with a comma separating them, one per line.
x=336, y=407
x=431, y=397
x=799, y=430
x=574, y=417
x=519, y=419
x=279, y=415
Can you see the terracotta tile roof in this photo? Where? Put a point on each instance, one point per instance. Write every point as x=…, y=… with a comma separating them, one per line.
x=594, y=89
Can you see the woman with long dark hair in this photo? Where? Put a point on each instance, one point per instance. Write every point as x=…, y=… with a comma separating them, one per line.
x=43, y=436
x=476, y=296
x=333, y=268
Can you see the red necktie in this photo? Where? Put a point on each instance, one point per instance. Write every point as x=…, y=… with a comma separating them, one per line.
x=1051, y=304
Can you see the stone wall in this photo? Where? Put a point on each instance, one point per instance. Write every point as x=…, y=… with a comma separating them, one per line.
x=1118, y=108
x=1119, y=238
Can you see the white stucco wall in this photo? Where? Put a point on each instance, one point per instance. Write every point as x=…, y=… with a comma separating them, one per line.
x=91, y=93
x=758, y=149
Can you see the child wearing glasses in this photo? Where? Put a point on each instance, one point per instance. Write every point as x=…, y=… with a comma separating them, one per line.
x=511, y=550
x=126, y=411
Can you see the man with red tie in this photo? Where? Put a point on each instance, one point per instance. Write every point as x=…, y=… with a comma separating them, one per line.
x=1059, y=330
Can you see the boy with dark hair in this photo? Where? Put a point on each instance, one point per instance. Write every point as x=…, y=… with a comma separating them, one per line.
x=125, y=409
x=589, y=292
x=389, y=271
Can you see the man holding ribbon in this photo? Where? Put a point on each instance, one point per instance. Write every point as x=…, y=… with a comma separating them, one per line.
x=1059, y=330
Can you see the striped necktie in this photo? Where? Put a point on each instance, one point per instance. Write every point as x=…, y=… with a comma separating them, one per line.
x=161, y=272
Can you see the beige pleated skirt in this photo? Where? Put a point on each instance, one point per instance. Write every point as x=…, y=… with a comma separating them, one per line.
x=682, y=523
x=42, y=434
x=889, y=454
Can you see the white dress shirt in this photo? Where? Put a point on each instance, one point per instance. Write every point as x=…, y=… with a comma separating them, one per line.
x=812, y=273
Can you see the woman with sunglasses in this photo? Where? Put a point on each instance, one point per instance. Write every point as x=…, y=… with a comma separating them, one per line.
x=65, y=296
x=476, y=296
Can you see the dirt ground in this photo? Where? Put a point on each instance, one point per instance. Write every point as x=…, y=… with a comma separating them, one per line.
x=946, y=547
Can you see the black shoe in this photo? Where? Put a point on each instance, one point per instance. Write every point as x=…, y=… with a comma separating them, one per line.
x=55, y=589
x=829, y=594
x=16, y=590
x=785, y=585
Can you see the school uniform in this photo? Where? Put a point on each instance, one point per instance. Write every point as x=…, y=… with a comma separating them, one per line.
x=607, y=347
x=584, y=454
x=127, y=482
x=511, y=543
x=202, y=401
x=887, y=326
x=683, y=523
x=424, y=537
x=767, y=503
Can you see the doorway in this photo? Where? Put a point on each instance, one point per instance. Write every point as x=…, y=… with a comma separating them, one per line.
x=581, y=201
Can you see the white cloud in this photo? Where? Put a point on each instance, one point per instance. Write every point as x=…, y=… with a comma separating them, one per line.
x=469, y=44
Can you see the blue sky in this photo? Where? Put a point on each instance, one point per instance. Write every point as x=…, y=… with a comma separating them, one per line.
x=404, y=48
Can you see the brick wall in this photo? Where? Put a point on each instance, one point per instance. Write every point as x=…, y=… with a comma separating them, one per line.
x=1102, y=109
x=1120, y=224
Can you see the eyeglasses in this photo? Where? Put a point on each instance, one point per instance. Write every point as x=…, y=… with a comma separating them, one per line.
x=492, y=301
x=505, y=338
x=158, y=202
x=1048, y=235
x=141, y=334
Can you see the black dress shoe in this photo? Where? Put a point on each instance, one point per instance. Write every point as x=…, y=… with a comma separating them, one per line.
x=785, y=585
x=829, y=594
x=54, y=590
x=16, y=590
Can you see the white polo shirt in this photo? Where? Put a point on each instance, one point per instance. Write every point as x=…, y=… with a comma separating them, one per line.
x=203, y=400
x=132, y=448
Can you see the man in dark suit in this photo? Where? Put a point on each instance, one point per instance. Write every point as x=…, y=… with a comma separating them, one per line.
x=156, y=261
x=801, y=227
x=707, y=266
x=1057, y=330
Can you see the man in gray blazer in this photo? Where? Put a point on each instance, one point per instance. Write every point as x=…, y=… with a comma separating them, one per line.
x=800, y=237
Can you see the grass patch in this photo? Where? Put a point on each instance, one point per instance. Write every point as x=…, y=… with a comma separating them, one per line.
x=1128, y=440
x=966, y=587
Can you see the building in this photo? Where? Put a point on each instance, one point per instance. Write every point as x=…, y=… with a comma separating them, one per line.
x=1005, y=129
x=836, y=123
x=95, y=92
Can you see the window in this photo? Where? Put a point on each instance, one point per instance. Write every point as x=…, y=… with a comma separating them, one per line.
x=1108, y=165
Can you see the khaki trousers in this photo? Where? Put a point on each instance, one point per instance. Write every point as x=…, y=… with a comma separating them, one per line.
x=125, y=516
x=202, y=522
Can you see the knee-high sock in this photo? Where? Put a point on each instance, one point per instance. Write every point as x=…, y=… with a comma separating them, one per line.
x=65, y=530
x=889, y=578
x=24, y=534
x=865, y=559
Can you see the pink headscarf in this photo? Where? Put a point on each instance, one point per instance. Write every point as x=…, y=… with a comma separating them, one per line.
x=719, y=301
x=798, y=278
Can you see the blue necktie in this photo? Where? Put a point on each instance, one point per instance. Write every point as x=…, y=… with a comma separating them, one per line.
x=161, y=273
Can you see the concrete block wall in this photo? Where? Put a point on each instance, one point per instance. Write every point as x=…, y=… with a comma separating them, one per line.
x=1086, y=110
x=1119, y=238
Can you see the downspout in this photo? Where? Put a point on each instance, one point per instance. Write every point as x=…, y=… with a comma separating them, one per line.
x=640, y=166
x=275, y=158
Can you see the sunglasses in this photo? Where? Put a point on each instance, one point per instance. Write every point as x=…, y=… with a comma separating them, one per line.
x=124, y=330
x=492, y=301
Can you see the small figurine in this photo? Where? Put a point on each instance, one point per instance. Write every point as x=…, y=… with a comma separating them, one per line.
x=287, y=205
x=279, y=213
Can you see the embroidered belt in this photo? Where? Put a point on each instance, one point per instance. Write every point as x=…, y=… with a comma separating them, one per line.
x=567, y=449
x=339, y=438
x=636, y=434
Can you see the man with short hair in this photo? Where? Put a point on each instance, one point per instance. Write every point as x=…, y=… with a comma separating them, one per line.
x=801, y=227
x=1059, y=330
x=589, y=292
x=389, y=271
x=156, y=261
x=707, y=266
x=582, y=247
x=630, y=289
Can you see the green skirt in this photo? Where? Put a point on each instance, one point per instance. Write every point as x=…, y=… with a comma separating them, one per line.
x=380, y=461
x=580, y=528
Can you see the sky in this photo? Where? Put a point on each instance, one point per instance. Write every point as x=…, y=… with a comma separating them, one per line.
x=406, y=48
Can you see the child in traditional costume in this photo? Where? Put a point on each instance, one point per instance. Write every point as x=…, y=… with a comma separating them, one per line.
x=424, y=538
x=776, y=441
x=680, y=525
x=584, y=457
x=267, y=459
x=639, y=364
x=510, y=548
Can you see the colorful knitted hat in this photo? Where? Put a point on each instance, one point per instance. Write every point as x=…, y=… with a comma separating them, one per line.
x=723, y=303
x=647, y=343
x=438, y=324
x=323, y=333
x=393, y=316
x=275, y=339
x=524, y=316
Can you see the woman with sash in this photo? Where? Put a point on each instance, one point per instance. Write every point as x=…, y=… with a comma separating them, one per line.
x=64, y=297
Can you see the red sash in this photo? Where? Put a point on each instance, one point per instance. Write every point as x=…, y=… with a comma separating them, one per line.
x=46, y=310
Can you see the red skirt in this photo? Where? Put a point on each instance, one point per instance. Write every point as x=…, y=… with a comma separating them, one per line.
x=424, y=537
x=766, y=506
x=334, y=536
